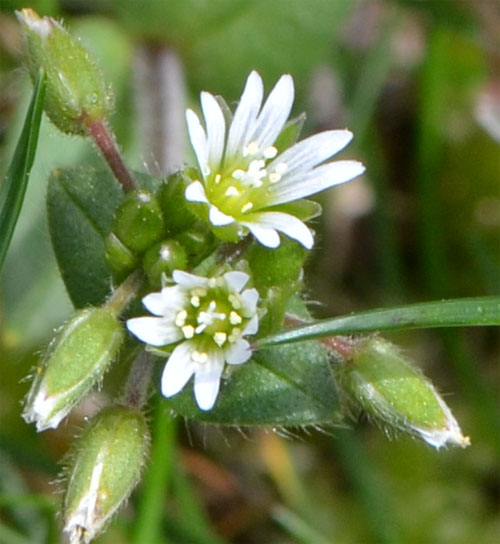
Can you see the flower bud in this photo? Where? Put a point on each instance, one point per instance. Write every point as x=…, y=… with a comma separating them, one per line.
x=138, y=222
x=103, y=471
x=163, y=258
x=76, y=93
x=385, y=384
x=78, y=358
x=177, y=215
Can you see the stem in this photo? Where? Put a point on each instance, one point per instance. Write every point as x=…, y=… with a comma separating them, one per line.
x=105, y=141
x=125, y=292
x=148, y=521
x=136, y=389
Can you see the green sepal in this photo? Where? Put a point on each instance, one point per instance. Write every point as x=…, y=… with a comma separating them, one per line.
x=103, y=469
x=77, y=359
x=290, y=133
x=384, y=383
x=120, y=259
x=76, y=90
x=302, y=209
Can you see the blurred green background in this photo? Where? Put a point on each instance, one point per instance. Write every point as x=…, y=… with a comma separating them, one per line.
x=418, y=82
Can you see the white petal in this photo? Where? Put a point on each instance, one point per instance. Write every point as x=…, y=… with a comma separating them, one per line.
x=219, y=219
x=274, y=114
x=195, y=192
x=170, y=299
x=308, y=153
x=178, y=370
x=287, y=224
x=266, y=236
x=187, y=280
x=216, y=129
x=198, y=141
x=245, y=114
x=236, y=280
x=238, y=353
x=207, y=380
x=155, y=331
x=249, y=299
x=252, y=326
x=321, y=178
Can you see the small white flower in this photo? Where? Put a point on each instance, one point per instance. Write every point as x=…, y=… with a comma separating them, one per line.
x=243, y=175
x=207, y=318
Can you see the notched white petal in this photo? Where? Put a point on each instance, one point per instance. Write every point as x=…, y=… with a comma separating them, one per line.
x=198, y=141
x=245, y=114
x=195, y=192
x=219, y=219
x=207, y=380
x=156, y=331
x=266, y=236
x=321, y=178
x=169, y=299
x=287, y=224
x=187, y=280
x=236, y=280
x=216, y=129
x=238, y=353
x=274, y=114
x=249, y=299
x=178, y=370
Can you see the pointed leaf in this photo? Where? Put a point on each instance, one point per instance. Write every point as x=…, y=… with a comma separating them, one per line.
x=14, y=185
x=465, y=312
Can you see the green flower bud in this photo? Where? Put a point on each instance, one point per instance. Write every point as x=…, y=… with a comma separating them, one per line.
x=121, y=260
x=138, y=222
x=104, y=469
x=198, y=243
x=385, y=384
x=76, y=93
x=163, y=258
x=177, y=215
x=78, y=357
x=277, y=275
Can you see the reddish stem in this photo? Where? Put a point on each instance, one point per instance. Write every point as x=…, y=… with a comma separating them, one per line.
x=106, y=143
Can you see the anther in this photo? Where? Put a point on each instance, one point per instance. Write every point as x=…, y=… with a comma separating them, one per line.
x=234, y=318
x=248, y=206
x=188, y=331
x=220, y=338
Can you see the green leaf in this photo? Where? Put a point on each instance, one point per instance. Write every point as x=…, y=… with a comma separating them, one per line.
x=466, y=312
x=15, y=182
x=81, y=203
x=285, y=385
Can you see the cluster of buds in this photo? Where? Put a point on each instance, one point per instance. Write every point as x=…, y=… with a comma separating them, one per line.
x=250, y=188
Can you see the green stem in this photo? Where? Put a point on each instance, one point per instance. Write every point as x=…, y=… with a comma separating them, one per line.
x=125, y=292
x=148, y=522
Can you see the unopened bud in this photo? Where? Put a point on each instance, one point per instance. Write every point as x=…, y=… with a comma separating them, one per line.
x=386, y=386
x=76, y=93
x=138, y=222
x=103, y=471
x=77, y=359
x=162, y=259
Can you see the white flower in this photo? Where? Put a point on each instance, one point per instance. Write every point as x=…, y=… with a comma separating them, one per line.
x=243, y=175
x=207, y=318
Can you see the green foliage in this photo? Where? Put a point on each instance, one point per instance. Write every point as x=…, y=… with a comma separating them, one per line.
x=14, y=185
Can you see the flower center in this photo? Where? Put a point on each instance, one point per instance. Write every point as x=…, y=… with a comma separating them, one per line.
x=213, y=315
x=242, y=186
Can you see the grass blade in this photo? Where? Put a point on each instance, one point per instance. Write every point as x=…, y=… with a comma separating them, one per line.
x=16, y=180
x=466, y=312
